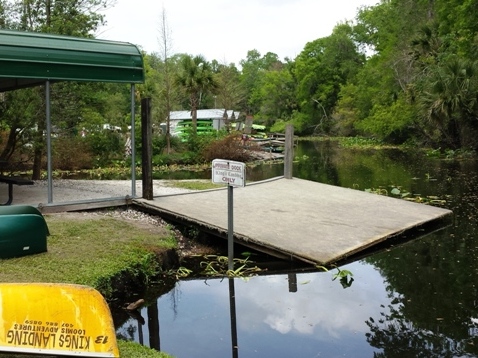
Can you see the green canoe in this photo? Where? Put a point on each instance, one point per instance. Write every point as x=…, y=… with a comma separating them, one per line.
x=23, y=209
x=23, y=231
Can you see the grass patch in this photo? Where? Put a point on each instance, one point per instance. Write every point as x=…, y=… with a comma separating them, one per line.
x=127, y=349
x=354, y=142
x=133, y=350
x=196, y=184
x=90, y=251
x=93, y=249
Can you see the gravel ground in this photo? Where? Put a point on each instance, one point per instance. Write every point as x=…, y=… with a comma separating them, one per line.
x=186, y=246
x=70, y=190
x=79, y=189
x=112, y=187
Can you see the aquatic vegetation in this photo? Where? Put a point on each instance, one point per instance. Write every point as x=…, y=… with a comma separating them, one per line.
x=350, y=142
x=379, y=191
x=218, y=266
x=215, y=265
x=451, y=154
x=302, y=158
x=359, y=142
x=433, y=153
x=344, y=276
x=398, y=192
x=182, y=272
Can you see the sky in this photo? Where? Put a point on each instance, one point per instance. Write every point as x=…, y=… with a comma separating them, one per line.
x=225, y=30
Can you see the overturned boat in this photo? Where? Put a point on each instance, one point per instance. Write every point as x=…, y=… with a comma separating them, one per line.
x=23, y=231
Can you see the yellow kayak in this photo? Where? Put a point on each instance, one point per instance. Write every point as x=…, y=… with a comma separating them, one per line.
x=55, y=319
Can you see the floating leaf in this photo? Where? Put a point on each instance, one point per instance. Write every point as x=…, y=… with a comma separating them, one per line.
x=344, y=273
x=395, y=191
x=346, y=282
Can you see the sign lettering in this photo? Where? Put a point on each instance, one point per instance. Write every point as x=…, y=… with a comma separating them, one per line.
x=55, y=319
x=228, y=172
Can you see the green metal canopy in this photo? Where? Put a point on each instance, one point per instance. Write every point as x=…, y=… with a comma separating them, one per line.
x=29, y=59
x=32, y=59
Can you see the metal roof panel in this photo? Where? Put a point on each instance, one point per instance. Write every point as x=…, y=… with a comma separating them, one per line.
x=36, y=58
x=202, y=114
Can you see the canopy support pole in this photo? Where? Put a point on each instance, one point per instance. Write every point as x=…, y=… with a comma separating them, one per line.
x=133, y=146
x=48, y=142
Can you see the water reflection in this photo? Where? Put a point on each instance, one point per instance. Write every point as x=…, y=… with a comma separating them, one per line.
x=433, y=299
x=233, y=318
x=273, y=318
x=415, y=300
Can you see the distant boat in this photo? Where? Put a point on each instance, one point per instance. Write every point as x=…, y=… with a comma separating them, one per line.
x=258, y=132
x=184, y=128
x=273, y=149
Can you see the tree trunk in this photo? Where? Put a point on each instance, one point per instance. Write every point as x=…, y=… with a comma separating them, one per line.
x=11, y=144
x=165, y=43
x=194, y=114
x=38, y=151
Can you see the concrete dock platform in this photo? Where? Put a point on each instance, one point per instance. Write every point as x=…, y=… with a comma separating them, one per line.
x=300, y=219
x=287, y=218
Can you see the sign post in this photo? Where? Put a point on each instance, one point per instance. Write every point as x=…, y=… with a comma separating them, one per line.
x=233, y=174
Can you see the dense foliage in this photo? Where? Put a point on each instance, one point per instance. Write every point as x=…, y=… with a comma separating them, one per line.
x=401, y=72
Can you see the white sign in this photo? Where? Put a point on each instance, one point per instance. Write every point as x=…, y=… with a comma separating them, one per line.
x=228, y=172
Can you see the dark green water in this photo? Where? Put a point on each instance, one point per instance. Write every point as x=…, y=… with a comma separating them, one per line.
x=419, y=299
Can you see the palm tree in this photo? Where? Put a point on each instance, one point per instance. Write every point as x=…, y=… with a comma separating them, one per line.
x=196, y=78
x=450, y=100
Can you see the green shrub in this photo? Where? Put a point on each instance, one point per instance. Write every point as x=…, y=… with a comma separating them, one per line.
x=106, y=146
x=229, y=147
x=160, y=143
x=71, y=153
x=279, y=126
x=168, y=159
x=301, y=122
x=130, y=349
x=392, y=124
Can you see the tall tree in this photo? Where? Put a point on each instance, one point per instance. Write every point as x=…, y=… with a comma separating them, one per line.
x=321, y=69
x=254, y=67
x=165, y=44
x=386, y=87
x=458, y=25
x=277, y=92
x=76, y=18
x=450, y=102
x=230, y=92
x=18, y=111
x=196, y=79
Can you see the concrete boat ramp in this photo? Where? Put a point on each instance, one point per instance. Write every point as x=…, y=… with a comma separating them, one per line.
x=300, y=219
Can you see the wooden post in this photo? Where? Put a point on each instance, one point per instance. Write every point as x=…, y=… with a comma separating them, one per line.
x=147, y=151
x=232, y=311
x=153, y=326
x=289, y=151
x=248, y=125
x=292, y=282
